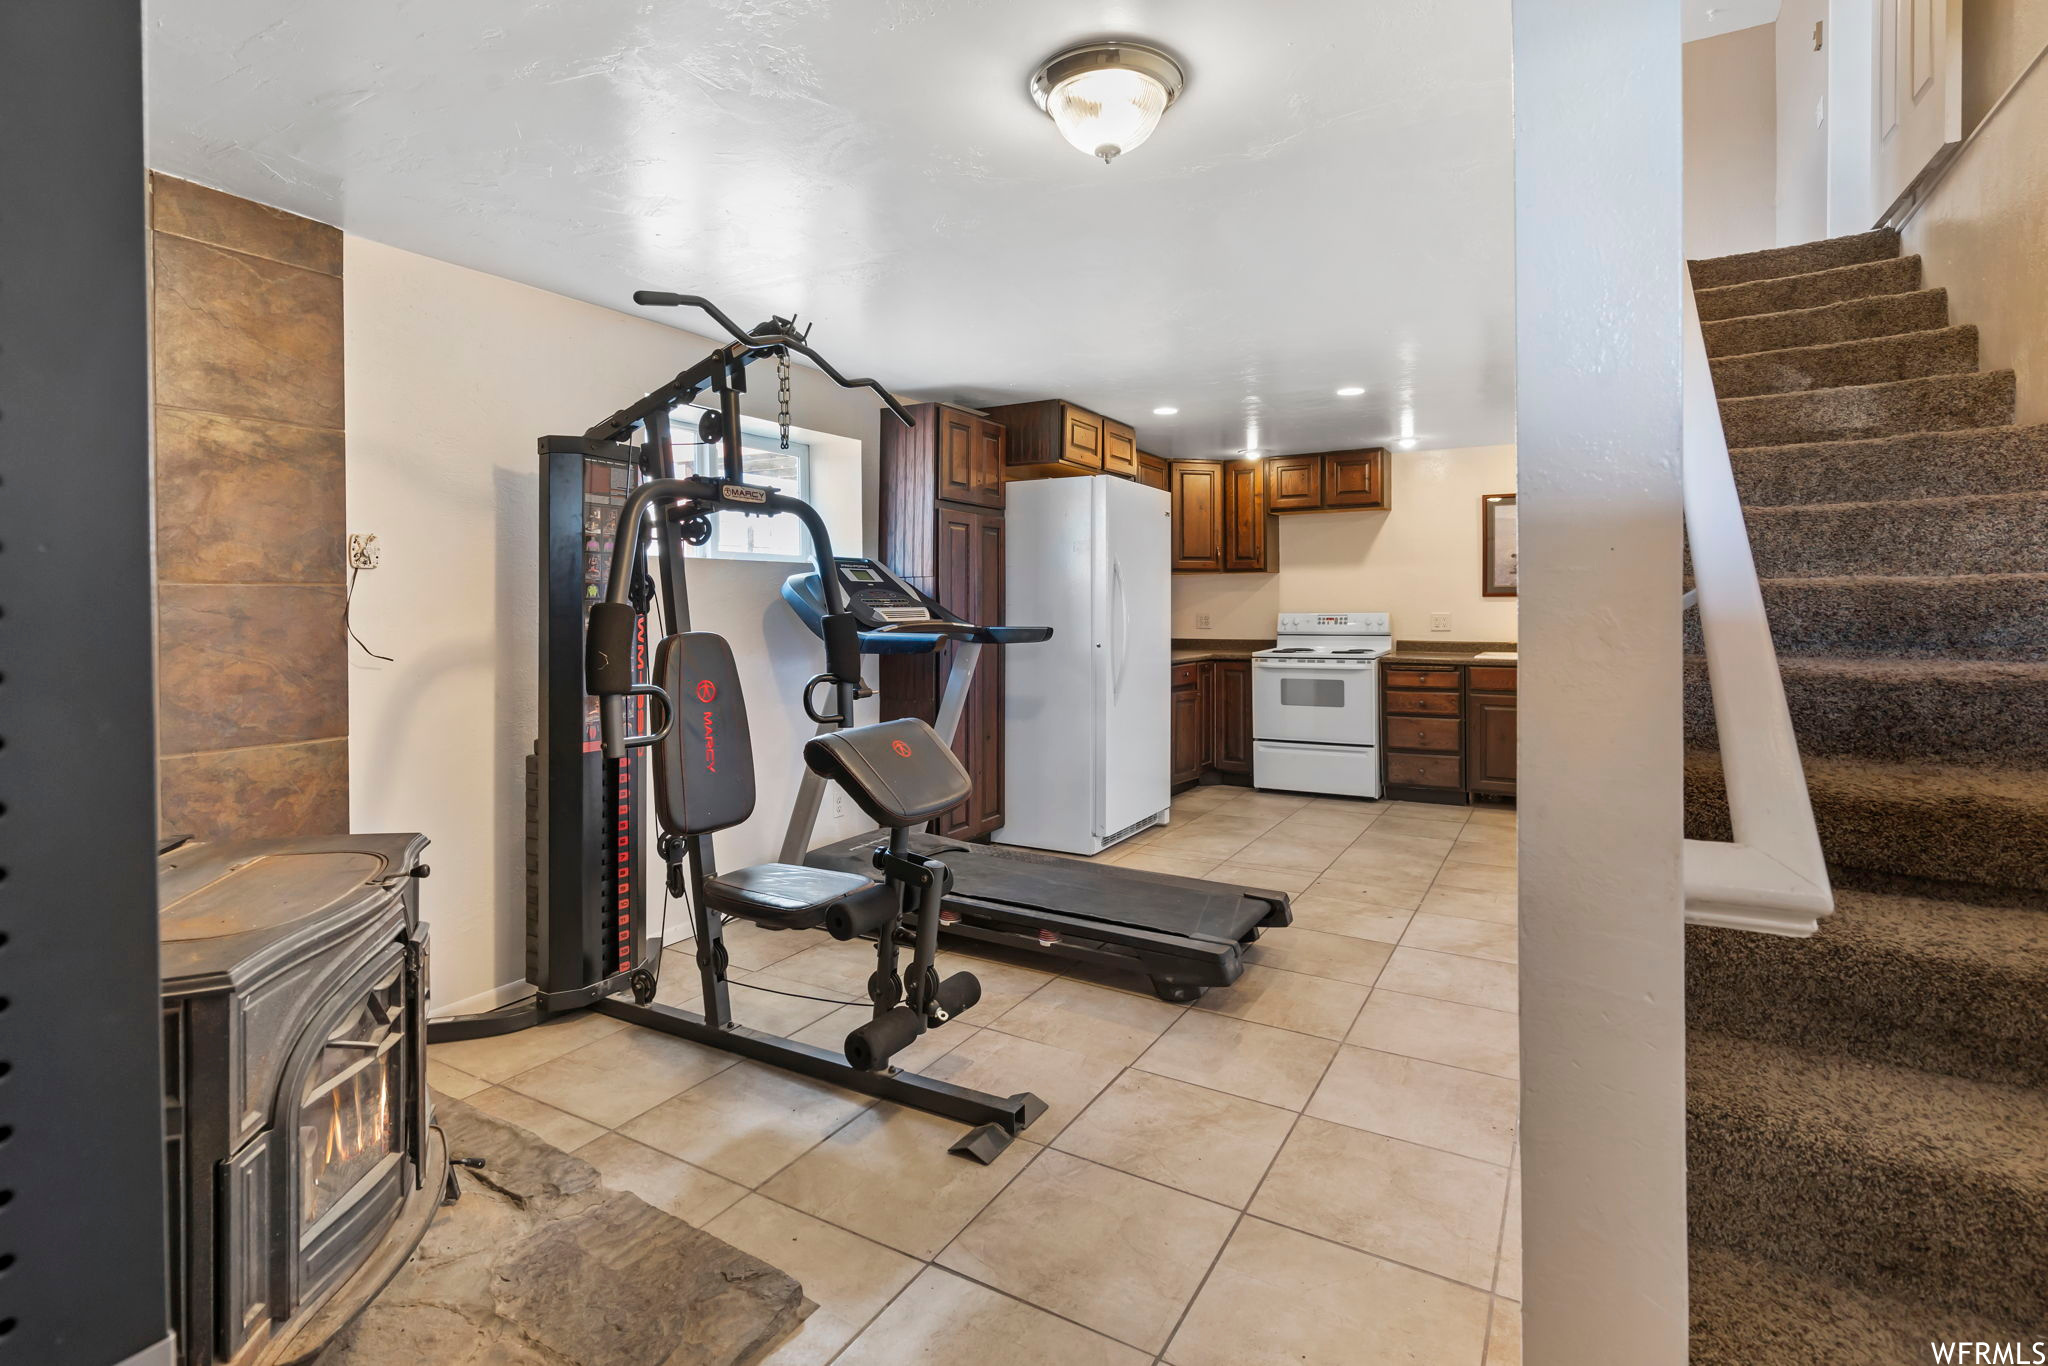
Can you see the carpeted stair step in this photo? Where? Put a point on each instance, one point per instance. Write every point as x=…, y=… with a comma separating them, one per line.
x=1870, y=360
x=1969, y=616
x=1918, y=465
x=1909, y=981
x=1931, y=710
x=1787, y=292
x=1937, y=404
x=1804, y=259
x=1749, y=1311
x=1953, y=822
x=1880, y=315
x=1988, y=533
x=1905, y=1184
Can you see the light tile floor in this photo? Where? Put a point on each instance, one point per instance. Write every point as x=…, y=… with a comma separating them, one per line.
x=1317, y=1165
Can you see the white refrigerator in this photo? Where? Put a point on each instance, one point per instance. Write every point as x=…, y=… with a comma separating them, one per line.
x=1087, y=717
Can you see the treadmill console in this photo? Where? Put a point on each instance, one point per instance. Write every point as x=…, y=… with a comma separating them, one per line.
x=893, y=617
x=880, y=601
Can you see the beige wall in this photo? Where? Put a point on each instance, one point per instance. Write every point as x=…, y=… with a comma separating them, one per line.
x=452, y=375
x=1731, y=150
x=1983, y=236
x=1999, y=38
x=1802, y=82
x=1422, y=556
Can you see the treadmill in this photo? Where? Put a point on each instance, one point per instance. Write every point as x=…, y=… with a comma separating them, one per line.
x=1184, y=934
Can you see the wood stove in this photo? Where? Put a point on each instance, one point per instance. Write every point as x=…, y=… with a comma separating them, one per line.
x=297, y=1135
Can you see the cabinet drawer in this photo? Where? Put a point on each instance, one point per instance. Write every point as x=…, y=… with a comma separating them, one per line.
x=1420, y=732
x=1424, y=770
x=1492, y=680
x=1422, y=703
x=1186, y=675
x=1422, y=678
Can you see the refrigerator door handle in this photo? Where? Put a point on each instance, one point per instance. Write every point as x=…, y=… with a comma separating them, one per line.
x=1120, y=627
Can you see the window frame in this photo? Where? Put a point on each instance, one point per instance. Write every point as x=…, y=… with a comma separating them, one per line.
x=755, y=435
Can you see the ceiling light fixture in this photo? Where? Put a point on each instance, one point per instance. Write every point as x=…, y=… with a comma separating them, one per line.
x=1106, y=98
x=1252, y=453
x=1351, y=391
x=1164, y=412
x=1406, y=443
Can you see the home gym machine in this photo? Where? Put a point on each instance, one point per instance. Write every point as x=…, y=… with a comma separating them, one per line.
x=615, y=520
x=1183, y=934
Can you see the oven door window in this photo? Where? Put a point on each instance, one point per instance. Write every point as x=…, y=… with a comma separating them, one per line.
x=1312, y=692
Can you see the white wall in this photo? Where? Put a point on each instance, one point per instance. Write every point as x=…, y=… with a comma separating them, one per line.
x=1731, y=142
x=452, y=375
x=1802, y=142
x=1598, y=225
x=1420, y=556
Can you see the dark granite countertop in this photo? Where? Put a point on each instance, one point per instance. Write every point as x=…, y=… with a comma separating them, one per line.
x=1197, y=651
x=1448, y=652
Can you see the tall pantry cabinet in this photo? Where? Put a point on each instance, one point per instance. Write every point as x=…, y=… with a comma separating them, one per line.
x=942, y=529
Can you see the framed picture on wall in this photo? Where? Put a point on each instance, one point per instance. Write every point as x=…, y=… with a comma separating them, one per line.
x=1497, y=556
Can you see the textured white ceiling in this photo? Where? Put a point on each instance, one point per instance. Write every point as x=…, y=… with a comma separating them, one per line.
x=1329, y=204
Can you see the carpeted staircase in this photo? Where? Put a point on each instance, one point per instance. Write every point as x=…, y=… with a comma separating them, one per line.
x=1868, y=1108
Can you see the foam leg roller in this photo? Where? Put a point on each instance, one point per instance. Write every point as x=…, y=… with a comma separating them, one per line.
x=860, y=915
x=870, y=1047
x=957, y=993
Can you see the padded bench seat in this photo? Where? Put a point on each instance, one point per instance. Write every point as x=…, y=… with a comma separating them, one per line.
x=787, y=896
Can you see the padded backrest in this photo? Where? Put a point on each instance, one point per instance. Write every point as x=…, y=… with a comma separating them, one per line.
x=704, y=768
x=899, y=772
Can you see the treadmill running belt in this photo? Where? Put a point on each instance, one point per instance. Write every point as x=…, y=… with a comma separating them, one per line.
x=1161, y=902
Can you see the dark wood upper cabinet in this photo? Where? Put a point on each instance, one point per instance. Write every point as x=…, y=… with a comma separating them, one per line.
x=947, y=454
x=1119, y=449
x=1328, y=481
x=1051, y=437
x=1355, y=479
x=1294, y=483
x=1197, y=491
x=970, y=456
x=1248, y=531
x=1152, y=471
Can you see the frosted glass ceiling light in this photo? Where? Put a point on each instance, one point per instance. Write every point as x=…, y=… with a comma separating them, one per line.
x=1106, y=98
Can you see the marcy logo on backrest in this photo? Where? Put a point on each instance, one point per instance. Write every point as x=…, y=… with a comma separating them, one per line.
x=710, y=746
x=706, y=690
x=900, y=748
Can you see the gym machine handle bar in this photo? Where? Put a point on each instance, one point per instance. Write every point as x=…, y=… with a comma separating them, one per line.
x=763, y=341
x=608, y=649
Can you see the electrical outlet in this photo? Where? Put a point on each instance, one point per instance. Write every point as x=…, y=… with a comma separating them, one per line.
x=362, y=550
x=1439, y=621
x=1201, y=621
x=838, y=805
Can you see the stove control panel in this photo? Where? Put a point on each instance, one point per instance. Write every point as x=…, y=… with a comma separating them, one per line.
x=1334, y=624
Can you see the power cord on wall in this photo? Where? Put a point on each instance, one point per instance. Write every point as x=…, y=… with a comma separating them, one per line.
x=348, y=603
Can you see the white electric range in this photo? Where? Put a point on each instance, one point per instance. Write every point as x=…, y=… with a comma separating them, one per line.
x=1316, y=704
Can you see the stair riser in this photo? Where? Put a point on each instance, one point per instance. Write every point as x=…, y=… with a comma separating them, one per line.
x=1879, y=316
x=1996, y=535
x=1942, y=404
x=1892, y=719
x=1914, y=1227
x=1880, y=360
x=1800, y=260
x=1901, y=276
x=1972, y=618
x=1956, y=1017
x=1893, y=828
x=1932, y=465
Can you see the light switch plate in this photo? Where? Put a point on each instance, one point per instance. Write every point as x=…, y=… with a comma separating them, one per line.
x=1201, y=621
x=1439, y=621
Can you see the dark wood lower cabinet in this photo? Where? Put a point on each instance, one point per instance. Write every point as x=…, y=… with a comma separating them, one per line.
x=1491, y=760
x=1447, y=731
x=1212, y=720
x=1190, y=726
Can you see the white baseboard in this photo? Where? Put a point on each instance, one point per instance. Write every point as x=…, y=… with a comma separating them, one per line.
x=502, y=995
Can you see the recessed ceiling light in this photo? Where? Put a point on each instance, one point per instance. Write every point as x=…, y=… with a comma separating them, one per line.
x=1251, y=454
x=1351, y=391
x=1406, y=443
x=1106, y=98
x=1164, y=412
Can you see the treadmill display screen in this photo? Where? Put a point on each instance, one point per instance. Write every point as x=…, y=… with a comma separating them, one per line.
x=862, y=575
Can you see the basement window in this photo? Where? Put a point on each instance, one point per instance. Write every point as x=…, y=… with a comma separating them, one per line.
x=765, y=464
